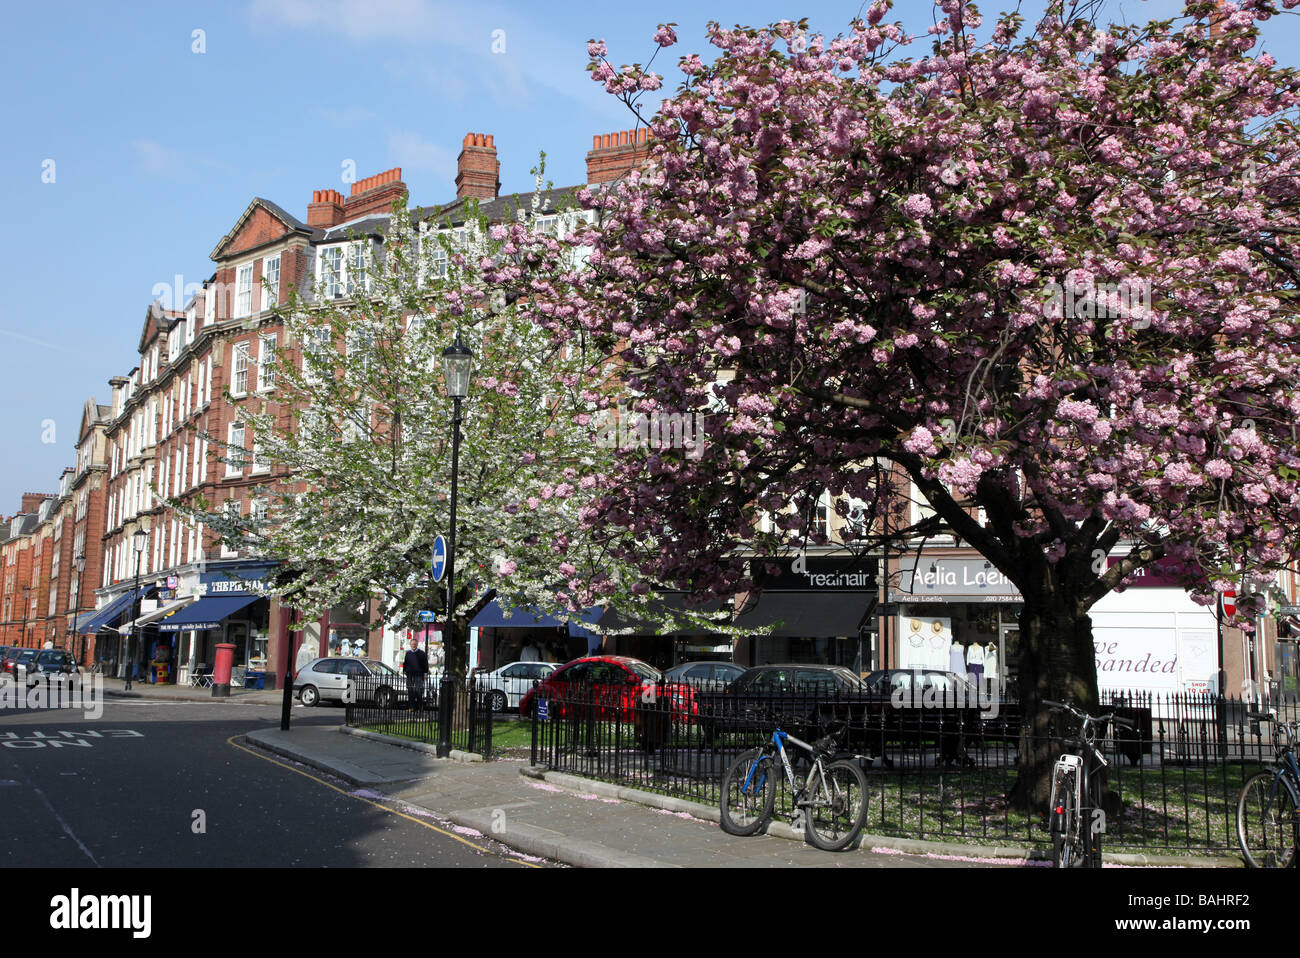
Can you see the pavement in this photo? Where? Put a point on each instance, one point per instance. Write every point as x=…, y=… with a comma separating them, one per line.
x=578, y=821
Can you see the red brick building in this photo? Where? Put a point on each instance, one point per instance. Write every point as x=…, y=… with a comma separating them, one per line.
x=167, y=435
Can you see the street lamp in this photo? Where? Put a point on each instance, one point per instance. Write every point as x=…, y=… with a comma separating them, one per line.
x=140, y=540
x=458, y=365
x=79, y=563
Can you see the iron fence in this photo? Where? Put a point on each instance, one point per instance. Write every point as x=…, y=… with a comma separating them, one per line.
x=934, y=770
x=392, y=708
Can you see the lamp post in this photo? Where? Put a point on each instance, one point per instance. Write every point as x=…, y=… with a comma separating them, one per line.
x=78, y=563
x=458, y=365
x=140, y=540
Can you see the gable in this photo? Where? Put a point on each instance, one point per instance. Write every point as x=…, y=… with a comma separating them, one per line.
x=262, y=223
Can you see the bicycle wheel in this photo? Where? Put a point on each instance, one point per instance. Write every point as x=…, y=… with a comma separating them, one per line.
x=1266, y=822
x=1093, y=827
x=837, y=806
x=1062, y=816
x=748, y=793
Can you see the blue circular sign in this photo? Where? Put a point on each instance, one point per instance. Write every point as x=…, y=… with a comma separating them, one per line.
x=439, y=558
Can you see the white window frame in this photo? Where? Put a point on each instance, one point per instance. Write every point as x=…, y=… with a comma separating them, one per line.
x=243, y=290
x=266, y=346
x=260, y=465
x=233, y=509
x=239, y=362
x=317, y=340
x=330, y=278
x=271, y=282
x=235, y=467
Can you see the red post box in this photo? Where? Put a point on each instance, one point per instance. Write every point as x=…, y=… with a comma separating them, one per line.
x=221, y=670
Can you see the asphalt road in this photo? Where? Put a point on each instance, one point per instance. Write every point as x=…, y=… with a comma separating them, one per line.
x=162, y=784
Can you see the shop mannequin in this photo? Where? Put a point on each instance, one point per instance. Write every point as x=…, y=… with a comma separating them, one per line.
x=975, y=663
x=991, y=661
x=957, y=659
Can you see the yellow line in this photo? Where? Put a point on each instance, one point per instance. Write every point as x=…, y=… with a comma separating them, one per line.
x=391, y=811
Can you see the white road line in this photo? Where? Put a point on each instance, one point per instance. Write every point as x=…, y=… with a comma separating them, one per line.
x=63, y=824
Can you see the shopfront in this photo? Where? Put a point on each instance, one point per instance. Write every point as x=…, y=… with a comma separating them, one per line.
x=226, y=607
x=818, y=609
x=960, y=614
x=500, y=636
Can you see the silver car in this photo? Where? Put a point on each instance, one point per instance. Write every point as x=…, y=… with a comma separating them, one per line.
x=707, y=676
x=331, y=678
x=510, y=683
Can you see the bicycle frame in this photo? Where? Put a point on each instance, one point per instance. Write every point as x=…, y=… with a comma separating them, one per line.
x=799, y=792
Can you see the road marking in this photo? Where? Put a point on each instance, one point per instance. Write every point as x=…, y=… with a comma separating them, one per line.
x=64, y=825
x=391, y=811
x=39, y=739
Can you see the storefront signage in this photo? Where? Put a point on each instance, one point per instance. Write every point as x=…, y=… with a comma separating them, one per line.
x=234, y=582
x=932, y=579
x=843, y=573
x=1159, y=575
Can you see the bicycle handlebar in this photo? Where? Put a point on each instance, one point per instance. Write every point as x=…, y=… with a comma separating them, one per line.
x=1085, y=717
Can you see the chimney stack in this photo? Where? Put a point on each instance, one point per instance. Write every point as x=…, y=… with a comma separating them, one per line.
x=614, y=155
x=374, y=194
x=477, y=168
x=326, y=208
x=32, y=500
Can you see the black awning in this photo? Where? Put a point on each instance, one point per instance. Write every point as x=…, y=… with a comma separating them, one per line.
x=668, y=602
x=809, y=615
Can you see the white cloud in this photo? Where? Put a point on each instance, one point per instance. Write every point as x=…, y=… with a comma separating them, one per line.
x=158, y=160
x=356, y=19
x=411, y=151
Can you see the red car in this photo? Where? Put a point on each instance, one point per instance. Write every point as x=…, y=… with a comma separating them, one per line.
x=616, y=685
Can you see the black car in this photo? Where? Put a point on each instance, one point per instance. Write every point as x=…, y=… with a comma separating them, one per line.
x=51, y=664
x=800, y=698
x=21, y=663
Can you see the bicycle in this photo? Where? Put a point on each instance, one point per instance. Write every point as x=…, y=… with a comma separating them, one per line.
x=831, y=800
x=1268, y=807
x=1076, y=793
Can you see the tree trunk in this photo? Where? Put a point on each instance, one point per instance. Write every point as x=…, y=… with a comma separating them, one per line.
x=1057, y=662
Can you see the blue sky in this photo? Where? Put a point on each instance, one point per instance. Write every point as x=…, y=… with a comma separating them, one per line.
x=156, y=149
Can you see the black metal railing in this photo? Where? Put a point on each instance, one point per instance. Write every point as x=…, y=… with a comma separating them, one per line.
x=935, y=770
x=389, y=706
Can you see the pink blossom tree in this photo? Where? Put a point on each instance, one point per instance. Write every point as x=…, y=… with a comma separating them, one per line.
x=1049, y=276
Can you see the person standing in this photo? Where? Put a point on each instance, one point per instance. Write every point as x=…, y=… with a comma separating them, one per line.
x=416, y=667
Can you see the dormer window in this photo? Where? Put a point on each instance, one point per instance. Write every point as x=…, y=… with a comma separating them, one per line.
x=343, y=269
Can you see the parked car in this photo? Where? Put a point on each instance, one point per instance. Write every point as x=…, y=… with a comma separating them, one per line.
x=710, y=676
x=611, y=686
x=51, y=665
x=507, y=685
x=22, y=663
x=802, y=698
x=9, y=657
x=334, y=677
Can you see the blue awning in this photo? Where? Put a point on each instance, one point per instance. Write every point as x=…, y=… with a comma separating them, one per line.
x=206, y=614
x=493, y=616
x=109, y=613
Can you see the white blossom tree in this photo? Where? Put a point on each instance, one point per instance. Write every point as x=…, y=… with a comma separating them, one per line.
x=358, y=434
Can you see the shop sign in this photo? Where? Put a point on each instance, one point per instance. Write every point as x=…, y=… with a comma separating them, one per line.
x=932, y=579
x=1159, y=575
x=804, y=573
